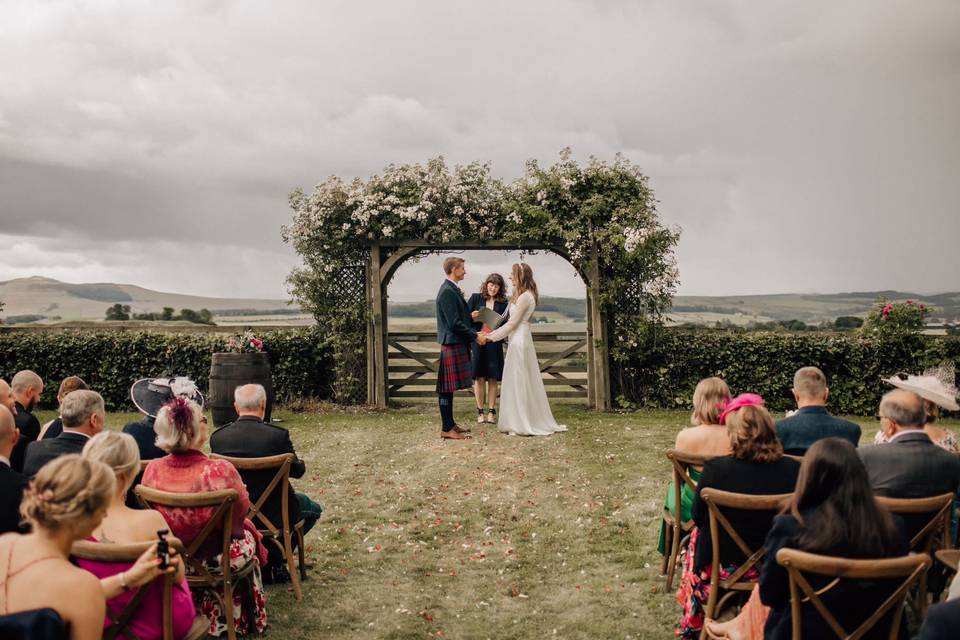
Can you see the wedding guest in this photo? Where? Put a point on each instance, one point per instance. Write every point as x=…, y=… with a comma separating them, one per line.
x=6, y=397
x=125, y=525
x=55, y=427
x=487, y=359
x=12, y=483
x=65, y=503
x=812, y=421
x=182, y=431
x=707, y=437
x=832, y=513
x=148, y=395
x=756, y=466
x=83, y=415
x=938, y=390
x=27, y=387
x=910, y=465
x=250, y=437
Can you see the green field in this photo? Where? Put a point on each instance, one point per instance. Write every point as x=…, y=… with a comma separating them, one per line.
x=496, y=537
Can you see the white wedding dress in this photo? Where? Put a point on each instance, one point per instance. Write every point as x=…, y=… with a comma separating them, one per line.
x=524, y=409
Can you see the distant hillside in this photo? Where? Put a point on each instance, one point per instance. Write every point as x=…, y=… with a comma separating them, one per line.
x=37, y=296
x=811, y=308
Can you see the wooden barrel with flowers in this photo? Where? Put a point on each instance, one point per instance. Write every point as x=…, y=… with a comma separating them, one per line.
x=243, y=363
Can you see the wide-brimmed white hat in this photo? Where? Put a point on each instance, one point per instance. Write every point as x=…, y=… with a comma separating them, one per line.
x=149, y=394
x=930, y=386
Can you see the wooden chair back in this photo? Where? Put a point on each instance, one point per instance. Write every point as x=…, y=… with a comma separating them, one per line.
x=937, y=529
x=281, y=480
x=909, y=568
x=717, y=500
x=220, y=522
x=680, y=463
x=128, y=553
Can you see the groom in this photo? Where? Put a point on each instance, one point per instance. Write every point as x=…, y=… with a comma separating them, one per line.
x=454, y=333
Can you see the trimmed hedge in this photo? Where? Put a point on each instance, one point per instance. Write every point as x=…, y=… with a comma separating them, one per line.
x=760, y=362
x=110, y=361
x=662, y=375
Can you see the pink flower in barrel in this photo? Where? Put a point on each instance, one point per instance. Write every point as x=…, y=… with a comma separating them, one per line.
x=246, y=342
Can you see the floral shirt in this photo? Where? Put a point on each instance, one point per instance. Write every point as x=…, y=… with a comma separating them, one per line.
x=193, y=472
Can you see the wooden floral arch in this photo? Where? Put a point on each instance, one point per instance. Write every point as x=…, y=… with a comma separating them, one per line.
x=385, y=257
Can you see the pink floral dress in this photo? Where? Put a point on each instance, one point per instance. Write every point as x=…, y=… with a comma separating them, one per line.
x=193, y=472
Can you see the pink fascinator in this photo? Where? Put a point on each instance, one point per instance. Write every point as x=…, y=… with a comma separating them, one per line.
x=741, y=401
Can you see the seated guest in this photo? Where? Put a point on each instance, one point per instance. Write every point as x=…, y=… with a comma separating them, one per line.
x=182, y=431
x=27, y=388
x=148, y=395
x=910, y=465
x=12, y=483
x=832, y=513
x=942, y=621
x=756, y=466
x=124, y=525
x=811, y=421
x=55, y=427
x=83, y=416
x=937, y=389
x=707, y=437
x=6, y=397
x=63, y=504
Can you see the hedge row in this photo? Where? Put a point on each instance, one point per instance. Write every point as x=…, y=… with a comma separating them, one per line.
x=665, y=374
x=110, y=361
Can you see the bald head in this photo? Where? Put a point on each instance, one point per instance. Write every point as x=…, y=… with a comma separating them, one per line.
x=6, y=397
x=250, y=400
x=27, y=387
x=8, y=432
x=904, y=409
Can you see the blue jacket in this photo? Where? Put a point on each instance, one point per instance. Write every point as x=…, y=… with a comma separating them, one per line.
x=454, y=324
x=809, y=424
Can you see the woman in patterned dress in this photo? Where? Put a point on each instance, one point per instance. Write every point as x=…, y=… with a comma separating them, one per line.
x=181, y=431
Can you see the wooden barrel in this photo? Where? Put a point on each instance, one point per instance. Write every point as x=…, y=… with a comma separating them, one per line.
x=231, y=370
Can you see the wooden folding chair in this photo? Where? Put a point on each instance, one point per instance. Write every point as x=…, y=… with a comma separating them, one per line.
x=733, y=585
x=281, y=536
x=935, y=532
x=126, y=554
x=910, y=568
x=676, y=529
x=220, y=522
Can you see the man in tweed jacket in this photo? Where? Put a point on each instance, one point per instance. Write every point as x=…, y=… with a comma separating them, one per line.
x=455, y=332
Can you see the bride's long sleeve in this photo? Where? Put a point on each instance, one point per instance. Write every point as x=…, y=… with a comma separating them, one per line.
x=517, y=314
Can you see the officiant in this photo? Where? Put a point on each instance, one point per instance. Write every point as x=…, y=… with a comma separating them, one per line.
x=487, y=359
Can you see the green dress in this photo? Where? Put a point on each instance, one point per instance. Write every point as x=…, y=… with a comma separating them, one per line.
x=686, y=506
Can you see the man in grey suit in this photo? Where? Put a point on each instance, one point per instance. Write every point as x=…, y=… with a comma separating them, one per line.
x=910, y=465
x=812, y=421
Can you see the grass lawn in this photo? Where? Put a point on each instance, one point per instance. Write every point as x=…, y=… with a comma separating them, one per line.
x=496, y=537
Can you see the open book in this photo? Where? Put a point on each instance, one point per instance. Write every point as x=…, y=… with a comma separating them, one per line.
x=491, y=318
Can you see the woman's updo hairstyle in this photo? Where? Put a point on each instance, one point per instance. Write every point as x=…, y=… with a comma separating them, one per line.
x=118, y=451
x=67, y=492
x=178, y=425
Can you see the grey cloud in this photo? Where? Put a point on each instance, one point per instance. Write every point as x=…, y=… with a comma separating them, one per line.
x=797, y=144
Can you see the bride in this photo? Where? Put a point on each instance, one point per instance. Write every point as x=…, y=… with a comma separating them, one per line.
x=524, y=409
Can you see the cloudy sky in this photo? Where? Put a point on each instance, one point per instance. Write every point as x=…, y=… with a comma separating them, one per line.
x=801, y=146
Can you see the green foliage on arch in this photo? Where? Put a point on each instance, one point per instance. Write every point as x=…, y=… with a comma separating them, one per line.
x=601, y=211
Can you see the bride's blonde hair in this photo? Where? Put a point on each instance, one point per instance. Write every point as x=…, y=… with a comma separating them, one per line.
x=523, y=274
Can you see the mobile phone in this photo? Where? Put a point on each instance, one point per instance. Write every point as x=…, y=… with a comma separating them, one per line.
x=163, y=548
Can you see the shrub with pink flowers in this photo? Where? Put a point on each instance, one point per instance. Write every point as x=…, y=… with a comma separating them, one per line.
x=891, y=320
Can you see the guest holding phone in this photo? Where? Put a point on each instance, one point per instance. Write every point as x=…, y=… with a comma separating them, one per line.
x=487, y=359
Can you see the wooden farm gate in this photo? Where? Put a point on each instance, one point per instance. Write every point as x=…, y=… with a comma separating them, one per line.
x=413, y=358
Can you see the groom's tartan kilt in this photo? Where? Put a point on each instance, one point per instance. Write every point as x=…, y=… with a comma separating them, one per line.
x=455, y=371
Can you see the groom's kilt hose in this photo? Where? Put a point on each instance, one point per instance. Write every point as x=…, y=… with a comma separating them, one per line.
x=455, y=371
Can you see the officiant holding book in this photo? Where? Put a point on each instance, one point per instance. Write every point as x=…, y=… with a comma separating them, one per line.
x=487, y=359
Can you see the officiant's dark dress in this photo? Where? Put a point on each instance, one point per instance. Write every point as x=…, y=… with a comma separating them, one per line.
x=487, y=360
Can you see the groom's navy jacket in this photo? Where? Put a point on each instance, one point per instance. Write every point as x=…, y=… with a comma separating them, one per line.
x=454, y=324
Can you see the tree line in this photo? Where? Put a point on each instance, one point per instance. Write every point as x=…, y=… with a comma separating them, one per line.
x=121, y=312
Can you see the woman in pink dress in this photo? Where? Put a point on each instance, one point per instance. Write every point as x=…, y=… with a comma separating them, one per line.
x=181, y=431
x=123, y=525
